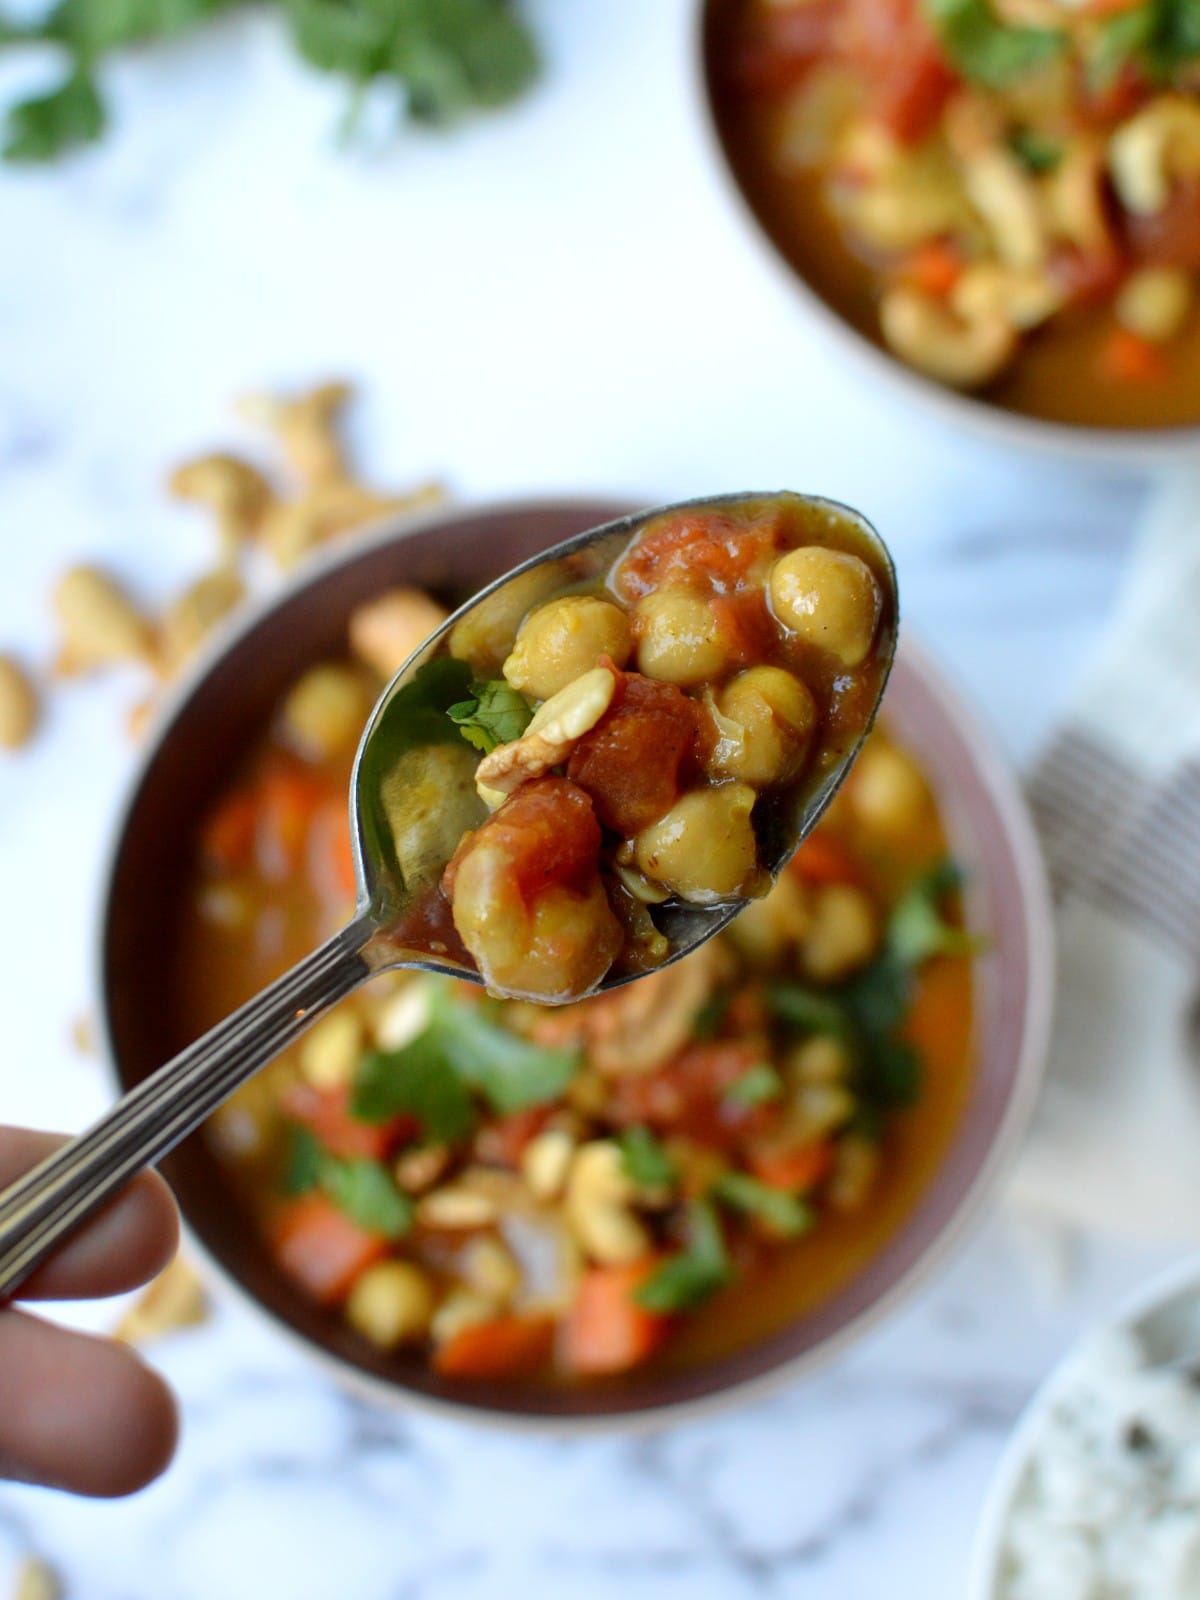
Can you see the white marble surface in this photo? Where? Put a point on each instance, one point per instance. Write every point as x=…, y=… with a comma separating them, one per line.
x=557, y=299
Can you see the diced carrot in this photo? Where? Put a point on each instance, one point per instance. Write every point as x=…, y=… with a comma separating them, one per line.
x=331, y=851
x=823, y=858
x=502, y=1347
x=227, y=839
x=606, y=1330
x=794, y=1168
x=326, y=1112
x=288, y=800
x=933, y=268
x=1126, y=357
x=321, y=1250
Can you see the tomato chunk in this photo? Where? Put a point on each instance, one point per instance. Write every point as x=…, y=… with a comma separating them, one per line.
x=1171, y=237
x=793, y=1168
x=227, y=842
x=898, y=53
x=632, y=762
x=823, y=858
x=321, y=1250
x=326, y=1113
x=705, y=550
x=690, y=1095
x=606, y=1330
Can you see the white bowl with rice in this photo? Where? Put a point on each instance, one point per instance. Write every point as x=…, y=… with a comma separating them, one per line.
x=1098, y=1494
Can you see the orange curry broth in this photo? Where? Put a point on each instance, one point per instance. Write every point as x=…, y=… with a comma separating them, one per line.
x=223, y=958
x=1066, y=371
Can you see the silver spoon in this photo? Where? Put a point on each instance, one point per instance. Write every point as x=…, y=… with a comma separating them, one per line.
x=407, y=814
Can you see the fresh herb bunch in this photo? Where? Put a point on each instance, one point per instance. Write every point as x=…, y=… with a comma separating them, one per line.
x=446, y=57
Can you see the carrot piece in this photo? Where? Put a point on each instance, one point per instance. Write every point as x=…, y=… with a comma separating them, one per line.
x=794, y=1168
x=326, y=1113
x=502, y=1347
x=227, y=838
x=287, y=803
x=606, y=1330
x=332, y=851
x=933, y=268
x=1125, y=357
x=321, y=1250
x=823, y=858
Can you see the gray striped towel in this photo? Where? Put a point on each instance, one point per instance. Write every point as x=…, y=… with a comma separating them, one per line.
x=1116, y=1141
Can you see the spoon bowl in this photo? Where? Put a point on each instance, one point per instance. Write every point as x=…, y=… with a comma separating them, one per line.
x=404, y=834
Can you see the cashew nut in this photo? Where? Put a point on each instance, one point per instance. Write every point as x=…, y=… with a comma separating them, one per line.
x=1073, y=197
x=456, y=1207
x=598, y=1205
x=100, y=623
x=545, y=1162
x=1154, y=303
x=307, y=427
x=192, y=616
x=18, y=705
x=385, y=632
x=896, y=198
x=1155, y=147
x=557, y=727
x=929, y=335
x=987, y=291
x=237, y=494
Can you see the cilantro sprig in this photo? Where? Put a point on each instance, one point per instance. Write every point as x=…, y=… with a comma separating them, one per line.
x=495, y=713
x=696, y=1272
x=443, y=58
x=362, y=1189
x=987, y=50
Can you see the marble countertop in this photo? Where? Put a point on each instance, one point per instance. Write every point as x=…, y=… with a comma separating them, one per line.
x=556, y=300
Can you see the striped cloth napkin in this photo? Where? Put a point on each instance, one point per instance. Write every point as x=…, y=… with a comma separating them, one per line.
x=1116, y=793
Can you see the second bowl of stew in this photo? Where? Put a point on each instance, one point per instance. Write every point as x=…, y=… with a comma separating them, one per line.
x=1001, y=196
x=614, y=1207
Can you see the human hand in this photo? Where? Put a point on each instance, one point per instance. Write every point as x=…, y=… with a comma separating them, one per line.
x=79, y=1412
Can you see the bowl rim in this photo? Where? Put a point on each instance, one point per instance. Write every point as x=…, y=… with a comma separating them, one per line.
x=1120, y=447
x=1033, y=897
x=1181, y=1277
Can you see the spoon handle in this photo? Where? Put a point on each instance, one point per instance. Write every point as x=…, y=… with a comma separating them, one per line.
x=49, y=1203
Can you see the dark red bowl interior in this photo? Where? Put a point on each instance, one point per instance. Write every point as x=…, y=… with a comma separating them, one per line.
x=195, y=753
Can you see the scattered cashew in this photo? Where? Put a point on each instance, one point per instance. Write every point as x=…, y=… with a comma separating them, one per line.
x=237, y=494
x=18, y=705
x=292, y=530
x=930, y=336
x=37, y=1581
x=100, y=623
x=307, y=427
x=598, y=1205
x=1158, y=145
x=386, y=631
x=192, y=616
x=557, y=727
x=175, y=1300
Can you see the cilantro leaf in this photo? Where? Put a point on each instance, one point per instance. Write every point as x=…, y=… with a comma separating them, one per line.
x=93, y=27
x=364, y=1190
x=782, y=1213
x=302, y=1162
x=709, y=1017
x=417, y=1080
x=645, y=1161
x=1037, y=152
x=987, y=50
x=496, y=713
x=812, y=1010
x=48, y=125
x=917, y=929
x=454, y=55
x=695, y=1274
x=510, y=1072
x=757, y=1086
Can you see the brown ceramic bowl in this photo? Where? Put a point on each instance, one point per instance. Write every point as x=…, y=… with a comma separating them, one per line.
x=1132, y=447
x=218, y=711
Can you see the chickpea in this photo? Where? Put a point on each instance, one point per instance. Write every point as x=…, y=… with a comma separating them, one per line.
x=767, y=718
x=704, y=849
x=559, y=642
x=325, y=713
x=829, y=598
x=391, y=1304
x=843, y=933
x=888, y=791
x=678, y=640
x=330, y=1051
x=486, y=634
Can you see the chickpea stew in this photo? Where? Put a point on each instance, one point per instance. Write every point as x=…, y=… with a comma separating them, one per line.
x=635, y=729
x=655, y=1176
x=1003, y=193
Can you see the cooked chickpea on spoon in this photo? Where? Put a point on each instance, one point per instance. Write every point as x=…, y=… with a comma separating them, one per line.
x=679, y=695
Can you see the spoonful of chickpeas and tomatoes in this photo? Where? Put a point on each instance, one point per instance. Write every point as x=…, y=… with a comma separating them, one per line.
x=578, y=778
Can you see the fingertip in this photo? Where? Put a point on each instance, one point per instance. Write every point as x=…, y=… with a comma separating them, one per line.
x=126, y=1244
x=142, y=1436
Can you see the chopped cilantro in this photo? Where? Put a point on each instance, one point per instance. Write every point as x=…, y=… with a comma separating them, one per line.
x=782, y=1213
x=645, y=1161
x=1037, y=152
x=696, y=1273
x=987, y=50
x=302, y=1162
x=494, y=714
x=917, y=929
x=757, y=1086
x=710, y=1016
x=364, y=1190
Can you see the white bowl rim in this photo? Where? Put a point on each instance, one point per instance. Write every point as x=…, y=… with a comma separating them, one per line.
x=1121, y=447
x=1033, y=896
x=1171, y=1283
